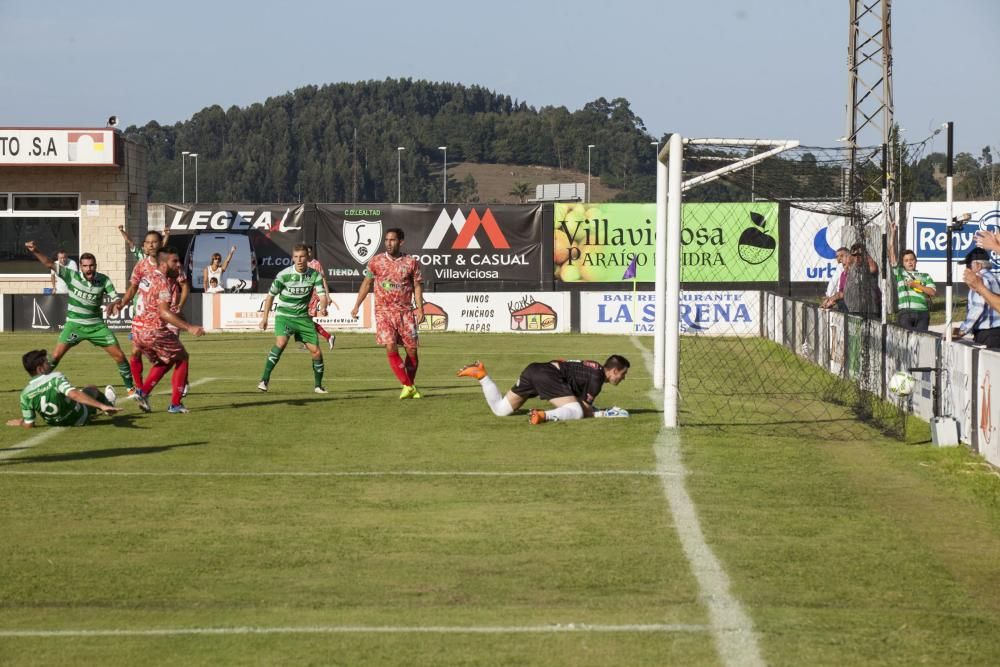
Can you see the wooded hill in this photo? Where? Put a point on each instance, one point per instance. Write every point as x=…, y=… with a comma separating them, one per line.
x=337, y=143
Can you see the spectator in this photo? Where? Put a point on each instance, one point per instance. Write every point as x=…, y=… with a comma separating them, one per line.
x=981, y=318
x=216, y=269
x=913, y=288
x=58, y=284
x=861, y=291
x=213, y=286
x=834, y=297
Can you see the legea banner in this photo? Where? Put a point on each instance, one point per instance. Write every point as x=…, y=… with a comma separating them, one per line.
x=720, y=242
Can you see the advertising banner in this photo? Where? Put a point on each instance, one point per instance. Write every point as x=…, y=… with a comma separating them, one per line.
x=496, y=312
x=47, y=312
x=242, y=312
x=813, y=242
x=454, y=243
x=957, y=389
x=77, y=147
x=706, y=313
x=926, y=234
x=720, y=242
x=988, y=417
x=263, y=236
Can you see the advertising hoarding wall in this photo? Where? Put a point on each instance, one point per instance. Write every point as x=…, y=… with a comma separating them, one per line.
x=706, y=313
x=926, y=234
x=720, y=242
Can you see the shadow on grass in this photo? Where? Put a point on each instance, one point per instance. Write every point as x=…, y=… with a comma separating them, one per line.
x=96, y=454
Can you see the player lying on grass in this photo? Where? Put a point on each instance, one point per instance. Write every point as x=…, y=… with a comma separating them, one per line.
x=569, y=384
x=50, y=394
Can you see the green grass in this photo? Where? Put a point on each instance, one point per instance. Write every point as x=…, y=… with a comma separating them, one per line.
x=843, y=550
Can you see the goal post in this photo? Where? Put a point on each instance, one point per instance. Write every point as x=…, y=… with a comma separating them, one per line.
x=670, y=186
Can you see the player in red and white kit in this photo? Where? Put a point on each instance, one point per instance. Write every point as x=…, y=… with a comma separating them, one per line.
x=154, y=336
x=179, y=289
x=399, y=307
x=315, y=301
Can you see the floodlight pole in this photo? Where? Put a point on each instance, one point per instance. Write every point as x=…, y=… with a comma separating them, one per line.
x=590, y=147
x=399, y=173
x=184, y=155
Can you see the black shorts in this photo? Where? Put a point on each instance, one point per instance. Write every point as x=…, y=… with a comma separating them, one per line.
x=542, y=380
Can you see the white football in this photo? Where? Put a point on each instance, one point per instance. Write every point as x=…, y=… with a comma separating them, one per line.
x=902, y=383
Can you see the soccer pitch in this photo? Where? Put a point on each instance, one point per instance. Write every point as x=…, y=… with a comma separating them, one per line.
x=355, y=528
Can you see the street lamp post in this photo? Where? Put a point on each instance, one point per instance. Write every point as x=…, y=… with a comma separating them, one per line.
x=589, y=148
x=184, y=155
x=195, y=156
x=399, y=173
x=444, y=187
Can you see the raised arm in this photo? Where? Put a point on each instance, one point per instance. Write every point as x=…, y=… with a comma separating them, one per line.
x=128, y=241
x=44, y=259
x=229, y=258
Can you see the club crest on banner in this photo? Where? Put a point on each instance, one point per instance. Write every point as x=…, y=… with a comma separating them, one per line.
x=362, y=238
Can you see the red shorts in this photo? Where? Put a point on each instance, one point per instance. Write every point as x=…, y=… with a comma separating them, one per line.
x=159, y=345
x=396, y=326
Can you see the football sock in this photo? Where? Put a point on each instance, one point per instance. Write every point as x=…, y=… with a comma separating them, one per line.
x=498, y=403
x=272, y=360
x=321, y=331
x=156, y=374
x=410, y=365
x=126, y=373
x=318, y=371
x=396, y=364
x=565, y=413
x=177, y=382
x=135, y=363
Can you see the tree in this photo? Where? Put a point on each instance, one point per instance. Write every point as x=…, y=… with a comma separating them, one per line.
x=521, y=190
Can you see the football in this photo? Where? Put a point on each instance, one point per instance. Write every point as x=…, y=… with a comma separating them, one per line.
x=902, y=383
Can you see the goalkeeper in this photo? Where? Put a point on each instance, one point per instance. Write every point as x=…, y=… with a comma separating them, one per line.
x=570, y=385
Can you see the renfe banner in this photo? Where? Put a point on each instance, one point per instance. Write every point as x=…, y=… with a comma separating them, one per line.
x=454, y=243
x=720, y=242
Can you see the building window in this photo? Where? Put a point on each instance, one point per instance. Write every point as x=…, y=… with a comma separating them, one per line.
x=52, y=221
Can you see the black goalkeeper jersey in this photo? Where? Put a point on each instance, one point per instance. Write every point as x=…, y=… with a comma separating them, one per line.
x=585, y=378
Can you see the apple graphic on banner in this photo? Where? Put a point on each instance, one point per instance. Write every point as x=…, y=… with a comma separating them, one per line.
x=822, y=245
x=755, y=246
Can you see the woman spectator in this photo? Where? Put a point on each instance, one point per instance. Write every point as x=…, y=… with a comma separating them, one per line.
x=216, y=269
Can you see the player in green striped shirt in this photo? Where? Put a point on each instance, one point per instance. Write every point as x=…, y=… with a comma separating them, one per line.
x=84, y=315
x=51, y=395
x=293, y=288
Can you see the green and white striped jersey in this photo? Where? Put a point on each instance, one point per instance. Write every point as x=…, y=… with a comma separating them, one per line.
x=47, y=395
x=909, y=298
x=293, y=290
x=85, y=296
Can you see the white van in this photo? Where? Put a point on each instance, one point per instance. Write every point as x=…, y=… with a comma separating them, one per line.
x=240, y=275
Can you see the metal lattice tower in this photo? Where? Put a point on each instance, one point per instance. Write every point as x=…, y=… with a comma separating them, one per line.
x=870, y=105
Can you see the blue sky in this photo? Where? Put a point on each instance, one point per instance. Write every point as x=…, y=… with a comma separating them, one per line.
x=756, y=68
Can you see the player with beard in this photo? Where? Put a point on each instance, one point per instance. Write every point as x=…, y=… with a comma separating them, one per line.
x=399, y=307
x=154, y=336
x=84, y=316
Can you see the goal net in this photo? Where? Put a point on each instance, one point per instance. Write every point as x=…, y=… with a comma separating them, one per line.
x=771, y=339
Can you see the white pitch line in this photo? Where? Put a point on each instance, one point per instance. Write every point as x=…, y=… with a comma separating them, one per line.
x=37, y=439
x=347, y=473
x=732, y=627
x=367, y=629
